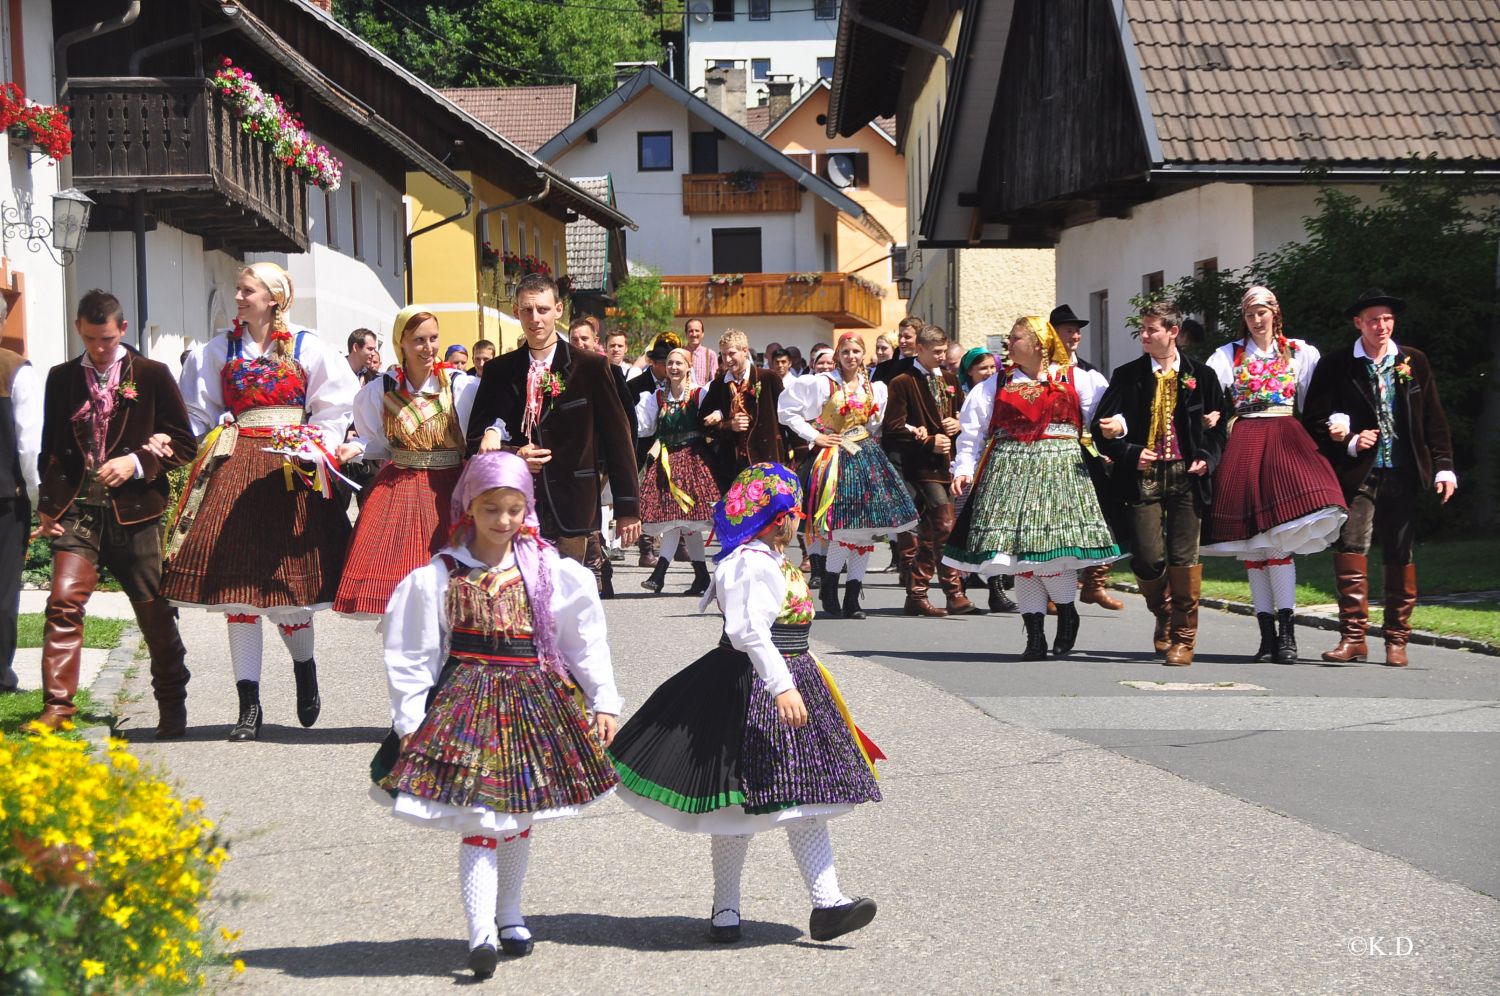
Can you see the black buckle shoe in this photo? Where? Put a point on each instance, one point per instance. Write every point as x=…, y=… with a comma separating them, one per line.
x=309, y=703
x=727, y=934
x=835, y=921
x=658, y=576
x=482, y=961
x=516, y=947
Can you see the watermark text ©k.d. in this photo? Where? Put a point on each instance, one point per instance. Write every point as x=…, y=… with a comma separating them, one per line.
x=1393, y=946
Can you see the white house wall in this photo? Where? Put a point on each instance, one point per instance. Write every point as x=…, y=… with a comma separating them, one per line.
x=793, y=39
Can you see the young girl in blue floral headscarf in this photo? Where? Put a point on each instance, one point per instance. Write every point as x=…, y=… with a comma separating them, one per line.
x=753, y=735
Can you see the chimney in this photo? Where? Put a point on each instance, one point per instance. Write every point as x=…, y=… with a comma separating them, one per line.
x=725, y=90
x=625, y=70
x=326, y=6
x=779, y=96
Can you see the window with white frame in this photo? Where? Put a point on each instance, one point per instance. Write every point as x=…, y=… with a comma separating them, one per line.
x=760, y=69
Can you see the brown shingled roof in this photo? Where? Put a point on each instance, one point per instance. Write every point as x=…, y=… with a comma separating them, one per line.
x=1267, y=81
x=527, y=115
x=588, y=241
x=758, y=118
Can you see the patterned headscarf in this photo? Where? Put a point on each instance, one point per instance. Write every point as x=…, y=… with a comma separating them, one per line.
x=1259, y=295
x=760, y=496
x=1053, y=350
x=534, y=556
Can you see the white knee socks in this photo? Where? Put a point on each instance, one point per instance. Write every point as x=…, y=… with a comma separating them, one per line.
x=1260, y=585
x=1061, y=588
x=838, y=556
x=514, y=854
x=669, y=543
x=728, y=853
x=477, y=884
x=693, y=541
x=296, y=628
x=1283, y=573
x=1031, y=594
x=244, y=646
x=813, y=850
x=856, y=559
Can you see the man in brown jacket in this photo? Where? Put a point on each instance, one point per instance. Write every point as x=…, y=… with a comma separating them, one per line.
x=739, y=410
x=557, y=408
x=921, y=421
x=114, y=424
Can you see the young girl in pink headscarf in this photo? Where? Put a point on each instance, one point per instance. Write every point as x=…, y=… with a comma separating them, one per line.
x=483, y=648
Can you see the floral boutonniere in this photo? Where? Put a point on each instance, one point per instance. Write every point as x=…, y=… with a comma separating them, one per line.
x=755, y=391
x=552, y=385
x=127, y=391
x=1403, y=369
x=950, y=389
x=1189, y=382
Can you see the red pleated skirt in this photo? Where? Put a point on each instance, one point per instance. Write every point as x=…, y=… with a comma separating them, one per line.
x=405, y=520
x=1271, y=483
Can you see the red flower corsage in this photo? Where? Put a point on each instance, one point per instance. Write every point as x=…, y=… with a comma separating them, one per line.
x=1190, y=382
x=552, y=385
x=1403, y=369
x=127, y=390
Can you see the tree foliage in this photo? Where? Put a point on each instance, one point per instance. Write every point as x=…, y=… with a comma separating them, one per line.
x=1428, y=238
x=514, y=42
x=643, y=309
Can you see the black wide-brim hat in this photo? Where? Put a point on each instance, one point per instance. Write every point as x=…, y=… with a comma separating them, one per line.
x=1372, y=297
x=1063, y=315
x=660, y=351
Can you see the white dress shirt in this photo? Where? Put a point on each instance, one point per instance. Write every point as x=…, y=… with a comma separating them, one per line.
x=979, y=407
x=26, y=393
x=751, y=590
x=369, y=410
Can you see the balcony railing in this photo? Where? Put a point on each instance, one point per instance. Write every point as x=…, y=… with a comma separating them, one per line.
x=739, y=193
x=176, y=141
x=833, y=296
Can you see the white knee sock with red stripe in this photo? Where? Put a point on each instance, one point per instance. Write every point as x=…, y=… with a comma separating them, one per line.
x=245, y=646
x=856, y=559
x=1260, y=585
x=1283, y=574
x=514, y=856
x=1031, y=594
x=477, y=885
x=728, y=853
x=296, y=629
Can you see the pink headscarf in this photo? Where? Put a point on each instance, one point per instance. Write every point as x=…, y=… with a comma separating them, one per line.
x=535, y=557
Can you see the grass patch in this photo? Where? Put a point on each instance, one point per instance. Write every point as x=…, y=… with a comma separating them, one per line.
x=1444, y=567
x=98, y=633
x=22, y=707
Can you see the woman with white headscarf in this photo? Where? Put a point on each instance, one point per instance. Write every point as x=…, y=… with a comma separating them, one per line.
x=256, y=532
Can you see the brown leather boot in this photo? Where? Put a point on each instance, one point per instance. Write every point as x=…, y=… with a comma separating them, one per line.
x=1400, y=599
x=1187, y=585
x=1096, y=588
x=73, y=581
x=951, y=578
x=905, y=551
x=923, y=566
x=1157, y=594
x=1353, y=581
x=169, y=674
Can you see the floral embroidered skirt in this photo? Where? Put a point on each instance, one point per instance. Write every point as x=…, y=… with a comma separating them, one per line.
x=693, y=475
x=1274, y=493
x=404, y=521
x=502, y=745
x=1033, y=508
x=255, y=545
x=870, y=498
x=706, y=753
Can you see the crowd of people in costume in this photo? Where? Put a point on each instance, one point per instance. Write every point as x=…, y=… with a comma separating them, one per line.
x=480, y=537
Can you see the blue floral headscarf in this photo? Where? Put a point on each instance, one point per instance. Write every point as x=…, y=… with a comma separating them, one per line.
x=760, y=494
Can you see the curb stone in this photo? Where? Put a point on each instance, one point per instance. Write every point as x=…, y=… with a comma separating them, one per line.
x=1419, y=636
x=109, y=684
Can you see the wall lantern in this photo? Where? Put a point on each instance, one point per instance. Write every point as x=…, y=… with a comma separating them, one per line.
x=64, y=233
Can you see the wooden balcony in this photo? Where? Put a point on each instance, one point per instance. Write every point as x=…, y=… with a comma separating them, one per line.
x=762, y=193
x=834, y=297
x=175, y=140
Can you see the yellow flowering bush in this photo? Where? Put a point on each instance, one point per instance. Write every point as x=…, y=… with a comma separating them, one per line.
x=102, y=872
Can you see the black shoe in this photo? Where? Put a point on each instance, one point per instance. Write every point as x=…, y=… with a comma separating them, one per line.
x=828, y=594
x=1067, y=629
x=819, y=565
x=1267, y=649
x=606, y=580
x=658, y=577
x=999, y=600
x=309, y=704
x=851, y=600
x=1286, y=637
x=700, y=579
x=248, y=727
x=727, y=934
x=1036, y=636
x=516, y=947
x=482, y=961
x=835, y=921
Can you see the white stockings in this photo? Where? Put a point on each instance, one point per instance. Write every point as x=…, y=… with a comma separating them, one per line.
x=1273, y=582
x=491, y=873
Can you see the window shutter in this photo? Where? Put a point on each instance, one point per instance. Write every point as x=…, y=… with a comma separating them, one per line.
x=861, y=169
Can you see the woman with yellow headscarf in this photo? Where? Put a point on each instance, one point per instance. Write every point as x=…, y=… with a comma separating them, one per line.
x=414, y=418
x=1033, y=512
x=256, y=532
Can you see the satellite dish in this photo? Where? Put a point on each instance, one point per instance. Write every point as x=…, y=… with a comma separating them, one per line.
x=840, y=170
x=700, y=11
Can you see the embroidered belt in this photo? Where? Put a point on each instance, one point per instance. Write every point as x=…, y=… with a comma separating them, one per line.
x=789, y=638
x=269, y=418
x=485, y=648
x=1263, y=408
x=426, y=459
x=1060, y=430
x=675, y=440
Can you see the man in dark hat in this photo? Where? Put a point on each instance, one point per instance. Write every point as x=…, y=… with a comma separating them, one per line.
x=1069, y=328
x=649, y=380
x=1375, y=413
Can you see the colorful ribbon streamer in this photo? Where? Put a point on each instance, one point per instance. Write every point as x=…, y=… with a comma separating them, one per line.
x=823, y=484
x=684, y=500
x=867, y=747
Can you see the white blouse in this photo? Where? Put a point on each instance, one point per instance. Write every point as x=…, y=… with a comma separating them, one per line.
x=1304, y=362
x=802, y=400
x=979, y=407
x=331, y=385
x=647, y=409
x=415, y=630
x=369, y=410
x=751, y=589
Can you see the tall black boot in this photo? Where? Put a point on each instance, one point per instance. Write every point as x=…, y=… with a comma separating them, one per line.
x=999, y=600
x=1067, y=629
x=700, y=579
x=1286, y=637
x=1267, y=649
x=829, y=590
x=309, y=704
x=819, y=565
x=1036, y=636
x=658, y=576
x=851, y=600
x=248, y=727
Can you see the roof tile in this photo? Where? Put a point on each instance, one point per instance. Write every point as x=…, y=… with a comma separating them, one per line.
x=526, y=115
